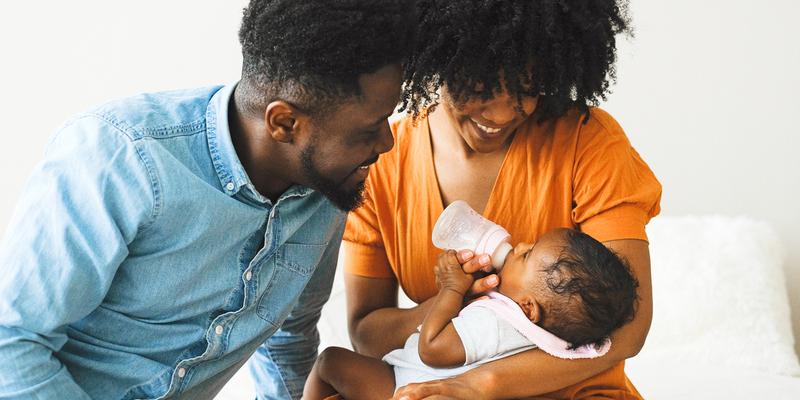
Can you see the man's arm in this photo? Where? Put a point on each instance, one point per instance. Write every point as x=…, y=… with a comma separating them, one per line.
x=282, y=363
x=65, y=241
x=535, y=372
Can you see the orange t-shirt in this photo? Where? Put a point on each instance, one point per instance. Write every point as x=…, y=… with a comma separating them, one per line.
x=558, y=174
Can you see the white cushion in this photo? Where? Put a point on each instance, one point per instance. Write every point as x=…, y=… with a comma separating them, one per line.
x=719, y=295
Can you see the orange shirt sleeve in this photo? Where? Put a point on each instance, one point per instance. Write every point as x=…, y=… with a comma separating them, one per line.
x=364, y=252
x=615, y=192
x=369, y=227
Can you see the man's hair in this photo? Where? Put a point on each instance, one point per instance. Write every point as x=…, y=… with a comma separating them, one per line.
x=310, y=53
x=594, y=292
x=562, y=51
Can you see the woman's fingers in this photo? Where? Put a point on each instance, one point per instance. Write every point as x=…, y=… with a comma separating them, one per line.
x=476, y=264
x=437, y=390
x=483, y=285
x=464, y=256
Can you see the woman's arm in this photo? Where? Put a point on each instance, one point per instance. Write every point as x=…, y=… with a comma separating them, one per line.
x=534, y=372
x=376, y=325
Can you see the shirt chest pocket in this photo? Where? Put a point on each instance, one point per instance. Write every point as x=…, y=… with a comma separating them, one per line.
x=285, y=276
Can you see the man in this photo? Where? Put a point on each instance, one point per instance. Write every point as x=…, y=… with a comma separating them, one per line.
x=167, y=237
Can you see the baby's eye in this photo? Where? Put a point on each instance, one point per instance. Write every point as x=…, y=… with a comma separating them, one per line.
x=525, y=256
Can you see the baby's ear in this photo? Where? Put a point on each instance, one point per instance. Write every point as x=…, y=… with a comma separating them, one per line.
x=532, y=309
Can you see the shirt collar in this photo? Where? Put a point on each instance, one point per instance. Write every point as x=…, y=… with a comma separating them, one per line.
x=232, y=176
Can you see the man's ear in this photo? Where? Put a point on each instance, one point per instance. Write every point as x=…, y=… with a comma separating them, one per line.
x=281, y=121
x=532, y=309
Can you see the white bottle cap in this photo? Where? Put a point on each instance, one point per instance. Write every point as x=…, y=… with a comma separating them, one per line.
x=499, y=256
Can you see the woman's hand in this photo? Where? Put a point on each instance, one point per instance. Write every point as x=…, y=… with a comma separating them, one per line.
x=466, y=261
x=454, y=388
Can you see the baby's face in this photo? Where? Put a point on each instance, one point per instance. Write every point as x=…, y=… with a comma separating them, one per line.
x=522, y=276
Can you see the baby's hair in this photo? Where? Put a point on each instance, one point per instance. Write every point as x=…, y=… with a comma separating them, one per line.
x=594, y=292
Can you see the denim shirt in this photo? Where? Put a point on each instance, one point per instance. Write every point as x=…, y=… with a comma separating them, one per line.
x=142, y=263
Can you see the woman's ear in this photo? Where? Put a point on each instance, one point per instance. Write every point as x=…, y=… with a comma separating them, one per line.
x=280, y=120
x=532, y=309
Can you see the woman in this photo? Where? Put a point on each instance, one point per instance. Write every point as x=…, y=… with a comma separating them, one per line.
x=501, y=96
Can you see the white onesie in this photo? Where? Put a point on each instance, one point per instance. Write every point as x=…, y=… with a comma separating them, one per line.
x=486, y=338
x=490, y=329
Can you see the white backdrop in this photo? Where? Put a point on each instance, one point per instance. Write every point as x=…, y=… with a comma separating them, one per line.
x=707, y=91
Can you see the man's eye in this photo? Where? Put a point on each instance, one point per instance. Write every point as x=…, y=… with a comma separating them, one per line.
x=369, y=136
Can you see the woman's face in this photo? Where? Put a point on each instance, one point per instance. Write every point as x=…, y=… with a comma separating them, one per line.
x=486, y=125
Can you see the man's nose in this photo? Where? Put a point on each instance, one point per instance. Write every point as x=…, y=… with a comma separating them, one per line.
x=386, y=140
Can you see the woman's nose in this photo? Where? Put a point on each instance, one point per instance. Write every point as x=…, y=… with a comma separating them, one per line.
x=498, y=112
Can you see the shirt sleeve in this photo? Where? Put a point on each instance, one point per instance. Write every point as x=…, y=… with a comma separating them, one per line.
x=615, y=192
x=68, y=235
x=364, y=252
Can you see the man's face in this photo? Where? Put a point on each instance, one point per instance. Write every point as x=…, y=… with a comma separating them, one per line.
x=346, y=141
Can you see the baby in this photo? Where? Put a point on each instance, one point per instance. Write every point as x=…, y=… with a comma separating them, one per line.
x=564, y=294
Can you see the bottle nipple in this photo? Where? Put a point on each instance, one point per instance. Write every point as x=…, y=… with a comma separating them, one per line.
x=499, y=256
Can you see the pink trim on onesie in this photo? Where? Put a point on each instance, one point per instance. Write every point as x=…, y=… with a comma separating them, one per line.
x=510, y=311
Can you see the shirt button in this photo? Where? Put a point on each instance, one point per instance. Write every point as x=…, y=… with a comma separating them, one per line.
x=230, y=186
x=181, y=372
x=218, y=330
x=248, y=275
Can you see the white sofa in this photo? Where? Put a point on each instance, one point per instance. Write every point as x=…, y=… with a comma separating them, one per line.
x=721, y=328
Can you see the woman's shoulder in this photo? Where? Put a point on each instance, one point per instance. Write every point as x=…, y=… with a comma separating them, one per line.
x=577, y=122
x=404, y=129
x=575, y=129
x=404, y=156
x=409, y=136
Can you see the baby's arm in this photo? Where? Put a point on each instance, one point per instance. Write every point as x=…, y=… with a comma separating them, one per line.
x=439, y=343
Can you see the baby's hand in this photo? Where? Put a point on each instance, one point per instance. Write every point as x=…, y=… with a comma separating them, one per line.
x=450, y=275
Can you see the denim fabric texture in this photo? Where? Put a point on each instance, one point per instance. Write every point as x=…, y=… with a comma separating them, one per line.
x=141, y=263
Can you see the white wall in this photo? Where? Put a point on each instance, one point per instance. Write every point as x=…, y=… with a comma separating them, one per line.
x=708, y=93
x=707, y=90
x=58, y=58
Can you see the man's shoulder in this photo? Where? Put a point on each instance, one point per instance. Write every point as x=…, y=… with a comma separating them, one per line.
x=157, y=114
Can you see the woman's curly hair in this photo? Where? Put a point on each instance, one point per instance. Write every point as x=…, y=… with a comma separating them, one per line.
x=560, y=50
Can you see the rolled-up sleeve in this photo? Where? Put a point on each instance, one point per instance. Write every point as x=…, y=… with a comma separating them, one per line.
x=364, y=252
x=615, y=192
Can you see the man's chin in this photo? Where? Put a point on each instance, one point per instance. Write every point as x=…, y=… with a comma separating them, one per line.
x=346, y=200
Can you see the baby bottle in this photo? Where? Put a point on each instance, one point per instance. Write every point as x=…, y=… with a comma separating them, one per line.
x=461, y=228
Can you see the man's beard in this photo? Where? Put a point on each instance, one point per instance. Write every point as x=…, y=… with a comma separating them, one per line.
x=346, y=200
